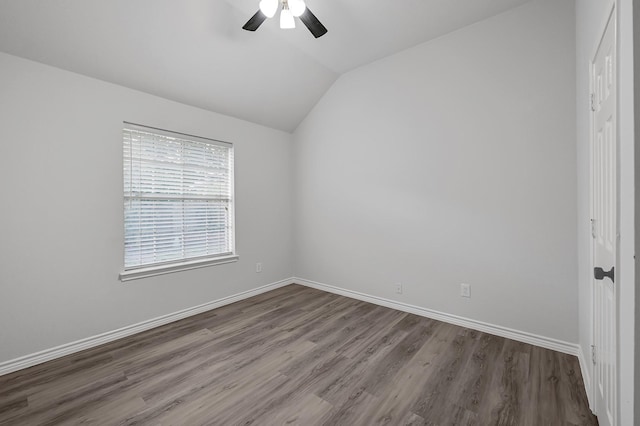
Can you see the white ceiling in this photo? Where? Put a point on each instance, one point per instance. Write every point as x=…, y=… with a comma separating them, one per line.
x=195, y=51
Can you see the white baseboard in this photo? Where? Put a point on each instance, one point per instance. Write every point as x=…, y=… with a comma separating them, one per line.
x=520, y=336
x=90, y=342
x=585, y=369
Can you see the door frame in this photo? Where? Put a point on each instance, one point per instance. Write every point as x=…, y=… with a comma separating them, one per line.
x=610, y=16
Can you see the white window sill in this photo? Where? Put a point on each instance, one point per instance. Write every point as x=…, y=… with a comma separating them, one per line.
x=151, y=271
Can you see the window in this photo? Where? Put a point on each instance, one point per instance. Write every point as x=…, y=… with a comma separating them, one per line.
x=178, y=201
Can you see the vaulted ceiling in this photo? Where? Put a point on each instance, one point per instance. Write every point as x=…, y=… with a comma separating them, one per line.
x=195, y=52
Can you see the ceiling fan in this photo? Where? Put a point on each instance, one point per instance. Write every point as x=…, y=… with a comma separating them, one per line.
x=290, y=9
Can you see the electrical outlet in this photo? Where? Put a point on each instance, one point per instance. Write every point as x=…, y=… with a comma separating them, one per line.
x=465, y=290
x=258, y=267
x=398, y=287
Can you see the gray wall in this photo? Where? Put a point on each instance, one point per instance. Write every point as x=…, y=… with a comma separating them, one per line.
x=454, y=161
x=61, y=220
x=451, y=162
x=636, y=137
x=626, y=253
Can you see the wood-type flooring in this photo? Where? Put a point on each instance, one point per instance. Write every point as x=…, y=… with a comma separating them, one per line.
x=300, y=356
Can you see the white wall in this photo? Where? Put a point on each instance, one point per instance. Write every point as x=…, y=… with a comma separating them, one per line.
x=61, y=217
x=590, y=18
x=453, y=161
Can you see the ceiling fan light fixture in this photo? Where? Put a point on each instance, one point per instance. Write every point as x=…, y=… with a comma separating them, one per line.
x=269, y=7
x=286, y=19
x=297, y=7
x=291, y=9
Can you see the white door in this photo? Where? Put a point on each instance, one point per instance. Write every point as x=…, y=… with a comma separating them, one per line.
x=604, y=222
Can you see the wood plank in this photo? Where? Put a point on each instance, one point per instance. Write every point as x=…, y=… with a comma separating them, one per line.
x=301, y=356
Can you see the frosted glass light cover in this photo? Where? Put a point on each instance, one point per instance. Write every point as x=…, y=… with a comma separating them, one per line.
x=297, y=7
x=269, y=7
x=286, y=20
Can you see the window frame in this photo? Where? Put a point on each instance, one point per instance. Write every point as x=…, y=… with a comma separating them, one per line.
x=182, y=264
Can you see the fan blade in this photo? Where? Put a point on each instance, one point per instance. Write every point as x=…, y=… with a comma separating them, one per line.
x=311, y=22
x=255, y=21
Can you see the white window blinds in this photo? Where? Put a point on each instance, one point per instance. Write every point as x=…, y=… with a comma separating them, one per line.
x=178, y=197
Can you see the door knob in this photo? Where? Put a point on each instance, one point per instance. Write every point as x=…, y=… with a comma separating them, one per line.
x=600, y=273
